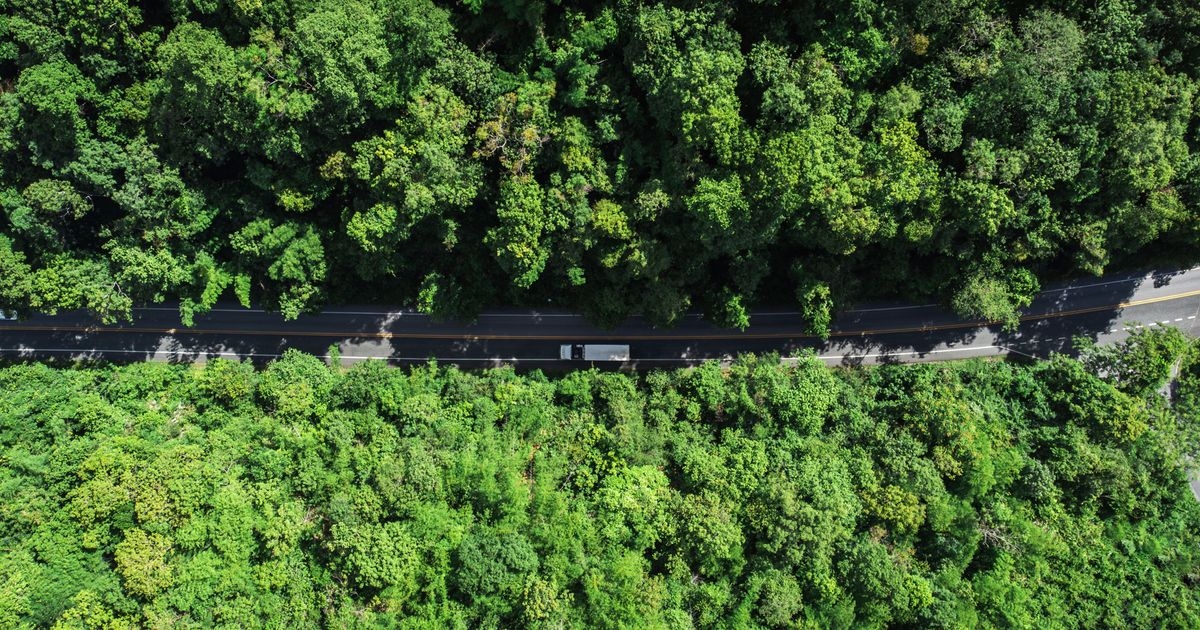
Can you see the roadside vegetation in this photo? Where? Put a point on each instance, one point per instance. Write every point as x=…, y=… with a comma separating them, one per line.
x=609, y=156
x=958, y=495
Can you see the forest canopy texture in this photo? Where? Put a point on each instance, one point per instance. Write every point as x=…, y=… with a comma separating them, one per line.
x=976, y=494
x=614, y=157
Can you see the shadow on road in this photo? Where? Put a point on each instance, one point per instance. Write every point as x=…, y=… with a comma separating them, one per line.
x=885, y=334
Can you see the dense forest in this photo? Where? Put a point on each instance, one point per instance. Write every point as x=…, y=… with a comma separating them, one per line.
x=611, y=156
x=965, y=495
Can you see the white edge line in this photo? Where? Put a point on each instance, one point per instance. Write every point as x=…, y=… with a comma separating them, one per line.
x=397, y=313
x=88, y=354
x=529, y=315
x=1119, y=280
x=842, y=357
x=872, y=310
x=211, y=310
x=693, y=315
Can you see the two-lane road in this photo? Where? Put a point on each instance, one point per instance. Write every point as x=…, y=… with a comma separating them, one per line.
x=1098, y=308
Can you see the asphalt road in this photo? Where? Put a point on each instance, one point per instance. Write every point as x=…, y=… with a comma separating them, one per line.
x=1104, y=310
x=1101, y=309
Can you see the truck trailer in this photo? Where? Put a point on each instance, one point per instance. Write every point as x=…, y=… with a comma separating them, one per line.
x=593, y=352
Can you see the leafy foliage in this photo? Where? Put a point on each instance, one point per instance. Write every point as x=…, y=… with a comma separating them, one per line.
x=762, y=495
x=607, y=156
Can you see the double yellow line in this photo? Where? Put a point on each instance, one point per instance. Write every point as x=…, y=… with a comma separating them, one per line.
x=498, y=337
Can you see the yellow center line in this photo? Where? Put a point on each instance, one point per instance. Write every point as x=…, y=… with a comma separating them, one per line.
x=664, y=337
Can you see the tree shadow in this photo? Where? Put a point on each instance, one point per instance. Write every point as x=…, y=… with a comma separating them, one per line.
x=884, y=333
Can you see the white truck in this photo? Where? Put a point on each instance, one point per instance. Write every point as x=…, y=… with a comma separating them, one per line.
x=593, y=352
